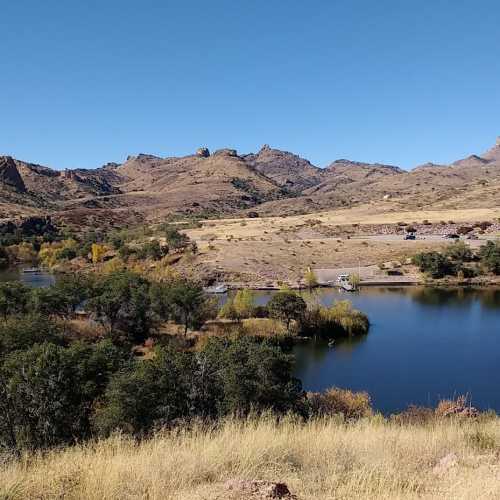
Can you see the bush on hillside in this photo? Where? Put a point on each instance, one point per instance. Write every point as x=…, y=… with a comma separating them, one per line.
x=334, y=401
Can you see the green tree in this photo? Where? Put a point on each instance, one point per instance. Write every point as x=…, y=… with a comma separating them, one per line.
x=153, y=392
x=152, y=250
x=490, y=256
x=287, y=306
x=122, y=302
x=187, y=302
x=239, y=307
x=310, y=279
x=226, y=377
x=22, y=332
x=48, y=392
x=246, y=375
x=14, y=298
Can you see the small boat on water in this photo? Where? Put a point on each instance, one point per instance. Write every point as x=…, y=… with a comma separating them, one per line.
x=217, y=289
x=344, y=282
x=32, y=270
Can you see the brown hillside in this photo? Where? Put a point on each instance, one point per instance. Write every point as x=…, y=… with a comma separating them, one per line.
x=270, y=182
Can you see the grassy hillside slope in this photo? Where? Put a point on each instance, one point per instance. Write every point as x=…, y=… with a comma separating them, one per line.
x=323, y=459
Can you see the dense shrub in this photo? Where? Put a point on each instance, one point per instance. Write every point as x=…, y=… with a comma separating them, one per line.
x=47, y=392
x=352, y=405
x=52, y=253
x=14, y=298
x=176, y=240
x=434, y=264
x=122, y=303
x=4, y=258
x=459, y=251
x=483, y=225
x=152, y=393
x=490, y=256
x=339, y=320
x=151, y=250
x=464, y=230
x=239, y=307
x=22, y=332
x=226, y=377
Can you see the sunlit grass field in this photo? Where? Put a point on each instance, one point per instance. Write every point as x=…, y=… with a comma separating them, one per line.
x=372, y=458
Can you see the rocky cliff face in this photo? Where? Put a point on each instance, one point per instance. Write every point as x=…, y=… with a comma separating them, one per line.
x=287, y=169
x=9, y=175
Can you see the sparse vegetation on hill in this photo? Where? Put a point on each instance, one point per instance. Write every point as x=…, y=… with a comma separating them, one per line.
x=270, y=182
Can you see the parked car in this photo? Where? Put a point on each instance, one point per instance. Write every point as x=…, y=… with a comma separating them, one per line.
x=472, y=237
x=452, y=236
x=410, y=237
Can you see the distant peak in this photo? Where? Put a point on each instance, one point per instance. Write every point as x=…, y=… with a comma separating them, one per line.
x=497, y=143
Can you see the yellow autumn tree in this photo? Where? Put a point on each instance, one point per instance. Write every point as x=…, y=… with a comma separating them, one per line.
x=310, y=279
x=98, y=252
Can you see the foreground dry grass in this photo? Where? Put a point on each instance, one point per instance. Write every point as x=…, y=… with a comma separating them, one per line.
x=371, y=459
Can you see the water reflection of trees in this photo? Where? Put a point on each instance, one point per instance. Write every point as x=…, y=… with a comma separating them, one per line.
x=316, y=350
x=455, y=297
x=430, y=296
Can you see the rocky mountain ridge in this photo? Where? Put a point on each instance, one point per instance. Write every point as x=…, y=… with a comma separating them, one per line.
x=224, y=182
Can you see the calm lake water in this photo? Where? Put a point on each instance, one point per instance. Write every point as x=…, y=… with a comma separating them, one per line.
x=35, y=280
x=424, y=344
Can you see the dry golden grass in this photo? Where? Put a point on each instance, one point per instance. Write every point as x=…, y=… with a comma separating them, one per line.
x=271, y=249
x=323, y=459
x=365, y=214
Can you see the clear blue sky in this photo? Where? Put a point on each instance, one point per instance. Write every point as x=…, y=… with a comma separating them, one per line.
x=401, y=82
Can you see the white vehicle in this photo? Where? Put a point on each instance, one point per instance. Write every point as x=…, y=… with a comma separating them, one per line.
x=216, y=289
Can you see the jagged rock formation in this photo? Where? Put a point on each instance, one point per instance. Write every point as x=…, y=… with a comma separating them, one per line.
x=9, y=175
x=203, y=152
